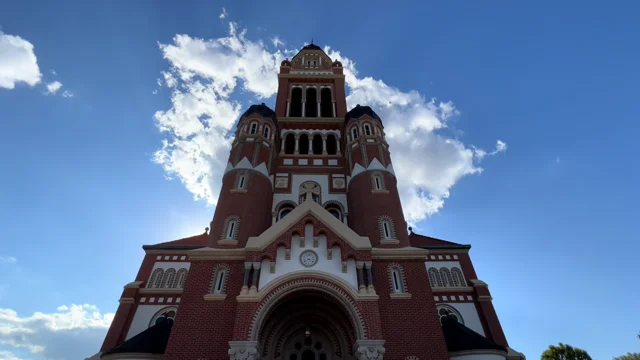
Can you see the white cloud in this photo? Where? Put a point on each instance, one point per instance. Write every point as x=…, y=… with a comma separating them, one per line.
x=8, y=260
x=427, y=161
x=277, y=42
x=7, y=355
x=50, y=334
x=18, y=62
x=53, y=72
x=224, y=14
x=53, y=87
x=68, y=94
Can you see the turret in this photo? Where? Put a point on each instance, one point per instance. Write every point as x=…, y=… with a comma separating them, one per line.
x=372, y=193
x=244, y=204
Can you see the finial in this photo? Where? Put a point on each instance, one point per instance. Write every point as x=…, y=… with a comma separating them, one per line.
x=311, y=41
x=410, y=229
x=206, y=230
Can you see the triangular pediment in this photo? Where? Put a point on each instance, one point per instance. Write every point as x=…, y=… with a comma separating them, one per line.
x=356, y=241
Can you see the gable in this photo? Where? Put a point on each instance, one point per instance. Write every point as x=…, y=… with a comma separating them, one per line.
x=309, y=207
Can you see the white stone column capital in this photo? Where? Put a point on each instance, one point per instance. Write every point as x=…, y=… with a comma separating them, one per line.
x=243, y=350
x=369, y=349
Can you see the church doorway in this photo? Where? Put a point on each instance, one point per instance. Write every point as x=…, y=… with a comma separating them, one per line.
x=307, y=325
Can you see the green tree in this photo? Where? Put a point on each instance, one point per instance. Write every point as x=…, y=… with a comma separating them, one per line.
x=564, y=352
x=628, y=356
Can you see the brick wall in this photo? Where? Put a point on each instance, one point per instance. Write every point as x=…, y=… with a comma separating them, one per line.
x=409, y=326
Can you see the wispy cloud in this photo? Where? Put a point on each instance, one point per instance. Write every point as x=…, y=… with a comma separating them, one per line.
x=277, y=42
x=8, y=260
x=19, y=62
x=68, y=94
x=53, y=87
x=224, y=14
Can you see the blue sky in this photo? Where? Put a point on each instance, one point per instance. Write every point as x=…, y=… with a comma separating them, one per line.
x=549, y=212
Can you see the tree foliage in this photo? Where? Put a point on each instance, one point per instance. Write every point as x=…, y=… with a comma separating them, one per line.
x=628, y=356
x=564, y=352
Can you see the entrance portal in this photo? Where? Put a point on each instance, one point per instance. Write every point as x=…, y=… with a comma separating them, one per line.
x=307, y=325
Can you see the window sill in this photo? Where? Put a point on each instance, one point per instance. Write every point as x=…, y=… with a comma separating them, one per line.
x=389, y=242
x=239, y=191
x=161, y=291
x=227, y=242
x=380, y=192
x=400, y=296
x=213, y=297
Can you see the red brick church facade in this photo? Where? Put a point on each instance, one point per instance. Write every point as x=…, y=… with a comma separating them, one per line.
x=307, y=256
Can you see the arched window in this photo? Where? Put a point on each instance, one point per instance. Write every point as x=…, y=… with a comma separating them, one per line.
x=317, y=144
x=386, y=228
x=312, y=187
x=168, y=313
x=445, y=274
x=181, y=277
x=231, y=228
x=335, y=212
x=242, y=181
x=377, y=181
x=290, y=144
x=458, y=278
x=303, y=144
x=396, y=276
x=219, y=281
x=377, y=130
x=284, y=212
x=445, y=311
x=434, y=277
x=367, y=130
x=169, y=278
x=155, y=281
x=295, y=107
x=311, y=107
x=253, y=128
x=354, y=133
x=267, y=131
x=332, y=144
x=326, y=104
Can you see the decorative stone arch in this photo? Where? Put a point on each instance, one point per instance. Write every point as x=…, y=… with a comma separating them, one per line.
x=281, y=205
x=402, y=280
x=337, y=289
x=392, y=228
x=155, y=281
x=216, y=270
x=225, y=228
x=166, y=312
x=457, y=277
x=181, y=277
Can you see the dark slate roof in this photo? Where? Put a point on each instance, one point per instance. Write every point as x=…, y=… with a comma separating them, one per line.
x=428, y=242
x=311, y=46
x=358, y=111
x=262, y=110
x=459, y=338
x=188, y=243
x=151, y=341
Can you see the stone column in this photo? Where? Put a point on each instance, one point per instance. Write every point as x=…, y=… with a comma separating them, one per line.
x=361, y=287
x=245, y=284
x=311, y=144
x=369, y=349
x=324, y=144
x=282, y=145
x=243, y=350
x=297, y=142
x=254, y=282
x=370, y=288
x=333, y=106
x=288, y=107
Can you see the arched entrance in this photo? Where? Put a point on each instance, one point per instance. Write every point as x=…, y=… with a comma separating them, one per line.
x=307, y=324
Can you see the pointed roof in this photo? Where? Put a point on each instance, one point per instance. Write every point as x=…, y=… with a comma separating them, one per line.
x=151, y=341
x=262, y=110
x=358, y=111
x=428, y=242
x=188, y=243
x=309, y=207
x=459, y=337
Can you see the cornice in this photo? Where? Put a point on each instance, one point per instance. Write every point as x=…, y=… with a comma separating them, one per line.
x=169, y=291
x=452, y=289
x=399, y=253
x=208, y=253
